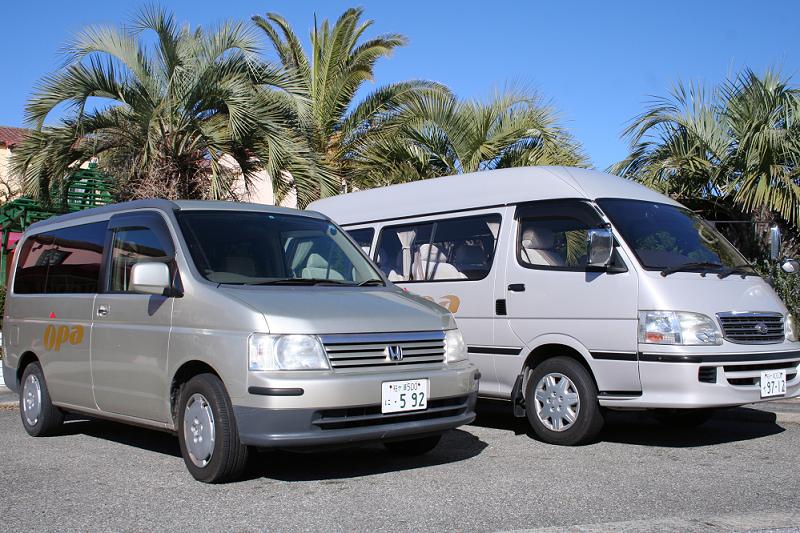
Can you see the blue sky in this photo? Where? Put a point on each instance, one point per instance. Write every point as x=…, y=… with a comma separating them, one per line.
x=598, y=63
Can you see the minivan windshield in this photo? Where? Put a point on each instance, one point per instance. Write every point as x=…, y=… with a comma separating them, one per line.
x=259, y=248
x=670, y=238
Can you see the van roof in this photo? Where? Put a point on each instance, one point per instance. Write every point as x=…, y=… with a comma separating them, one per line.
x=167, y=206
x=480, y=189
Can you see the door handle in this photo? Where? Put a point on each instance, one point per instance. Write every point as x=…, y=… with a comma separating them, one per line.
x=517, y=287
x=102, y=310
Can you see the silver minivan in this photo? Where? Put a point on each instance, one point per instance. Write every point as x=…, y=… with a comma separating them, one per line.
x=232, y=325
x=578, y=291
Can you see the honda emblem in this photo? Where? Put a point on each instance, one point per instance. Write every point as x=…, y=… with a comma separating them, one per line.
x=394, y=353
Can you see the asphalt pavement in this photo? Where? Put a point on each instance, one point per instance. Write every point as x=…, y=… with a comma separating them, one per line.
x=735, y=473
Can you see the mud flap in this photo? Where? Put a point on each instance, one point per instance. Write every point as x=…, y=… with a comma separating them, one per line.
x=517, y=398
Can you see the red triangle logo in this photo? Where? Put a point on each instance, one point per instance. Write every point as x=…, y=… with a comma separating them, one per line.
x=52, y=314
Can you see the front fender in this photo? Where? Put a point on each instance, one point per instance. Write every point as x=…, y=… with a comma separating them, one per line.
x=612, y=371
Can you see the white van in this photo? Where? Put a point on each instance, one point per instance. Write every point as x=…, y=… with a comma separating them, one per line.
x=577, y=290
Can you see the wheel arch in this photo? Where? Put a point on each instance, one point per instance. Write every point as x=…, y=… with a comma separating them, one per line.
x=186, y=371
x=22, y=363
x=549, y=346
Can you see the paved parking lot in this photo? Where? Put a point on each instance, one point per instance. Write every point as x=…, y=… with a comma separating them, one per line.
x=737, y=472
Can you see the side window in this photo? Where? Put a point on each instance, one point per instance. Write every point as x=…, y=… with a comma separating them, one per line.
x=65, y=260
x=399, y=250
x=75, y=259
x=454, y=249
x=363, y=238
x=553, y=234
x=136, y=245
x=34, y=259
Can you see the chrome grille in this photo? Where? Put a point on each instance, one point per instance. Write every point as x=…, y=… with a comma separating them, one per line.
x=752, y=328
x=366, y=350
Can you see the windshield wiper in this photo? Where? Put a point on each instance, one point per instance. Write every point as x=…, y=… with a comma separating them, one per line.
x=741, y=270
x=301, y=281
x=688, y=267
x=371, y=282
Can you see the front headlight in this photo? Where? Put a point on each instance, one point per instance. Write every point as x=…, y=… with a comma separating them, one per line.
x=286, y=352
x=790, y=328
x=454, y=348
x=678, y=327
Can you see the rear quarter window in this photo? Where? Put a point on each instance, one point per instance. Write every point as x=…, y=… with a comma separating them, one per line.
x=62, y=261
x=32, y=265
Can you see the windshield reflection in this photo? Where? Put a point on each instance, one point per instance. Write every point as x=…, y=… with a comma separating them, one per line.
x=672, y=238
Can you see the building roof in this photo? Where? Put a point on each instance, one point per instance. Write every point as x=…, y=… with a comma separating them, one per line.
x=480, y=189
x=11, y=136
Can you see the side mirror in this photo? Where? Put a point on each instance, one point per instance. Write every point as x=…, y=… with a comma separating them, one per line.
x=775, y=243
x=149, y=278
x=790, y=266
x=600, y=247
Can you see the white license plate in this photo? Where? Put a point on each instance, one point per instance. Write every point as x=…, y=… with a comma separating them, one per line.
x=409, y=395
x=773, y=383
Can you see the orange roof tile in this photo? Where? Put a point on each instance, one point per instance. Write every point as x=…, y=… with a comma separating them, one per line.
x=10, y=136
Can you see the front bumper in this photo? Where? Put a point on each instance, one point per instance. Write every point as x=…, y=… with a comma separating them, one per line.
x=328, y=389
x=292, y=409
x=292, y=428
x=693, y=381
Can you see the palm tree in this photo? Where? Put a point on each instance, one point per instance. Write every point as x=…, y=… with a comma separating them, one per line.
x=741, y=143
x=337, y=65
x=436, y=135
x=183, y=117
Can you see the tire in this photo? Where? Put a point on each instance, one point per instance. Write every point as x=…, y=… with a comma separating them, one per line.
x=413, y=447
x=207, y=432
x=576, y=417
x=40, y=417
x=683, y=418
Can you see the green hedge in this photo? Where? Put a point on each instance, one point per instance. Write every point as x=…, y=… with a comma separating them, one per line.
x=786, y=285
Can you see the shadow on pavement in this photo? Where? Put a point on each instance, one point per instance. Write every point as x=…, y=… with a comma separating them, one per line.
x=146, y=439
x=344, y=463
x=729, y=425
x=322, y=465
x=640, y=428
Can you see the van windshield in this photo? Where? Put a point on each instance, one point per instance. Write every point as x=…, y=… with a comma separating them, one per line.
x=257, y=248
x=672, y=238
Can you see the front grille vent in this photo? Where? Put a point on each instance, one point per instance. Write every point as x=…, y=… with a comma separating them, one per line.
x=371, y=350
x=707, y=374
x=750, y=375
x=752, y=328
x=354, y=417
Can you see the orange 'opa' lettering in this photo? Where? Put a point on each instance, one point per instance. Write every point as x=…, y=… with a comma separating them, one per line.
x=76, y=335
x=451, y=302
x=54, y=336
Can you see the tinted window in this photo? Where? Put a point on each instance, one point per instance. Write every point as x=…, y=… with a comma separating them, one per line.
x=136, y=245
x=363, y=238
x=664, y=236
x=66, y=260
x=31, y=275
x=553, y=234
x=75, y=259
x=266, y=248
x=455, y=249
